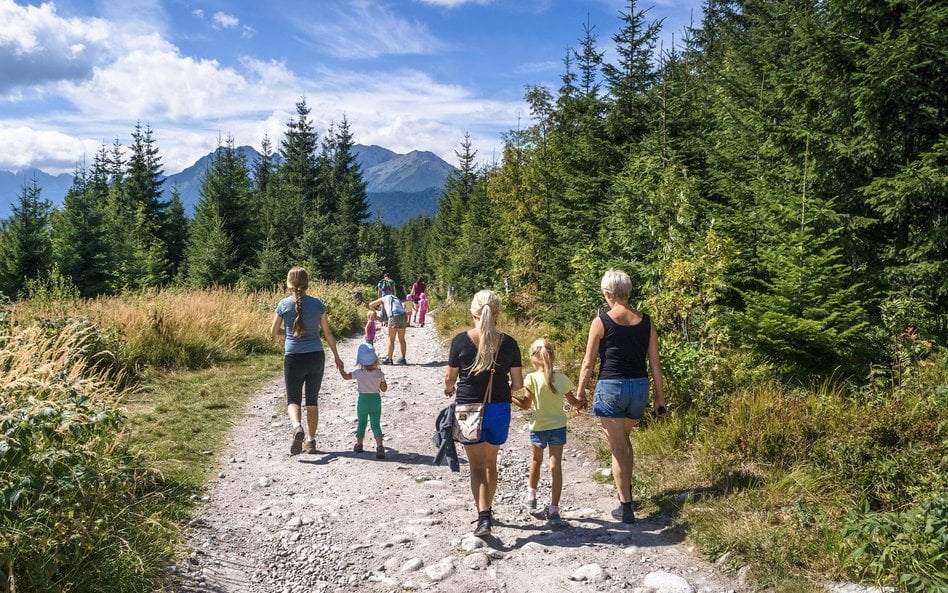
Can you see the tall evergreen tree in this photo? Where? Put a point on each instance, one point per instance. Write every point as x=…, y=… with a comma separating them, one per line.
x=224, y=209
x=82, y=248
x=25, y=241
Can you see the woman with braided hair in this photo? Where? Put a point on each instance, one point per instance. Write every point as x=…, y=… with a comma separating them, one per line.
x=298, y=320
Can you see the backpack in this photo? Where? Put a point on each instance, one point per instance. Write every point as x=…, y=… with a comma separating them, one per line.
x=397, y=308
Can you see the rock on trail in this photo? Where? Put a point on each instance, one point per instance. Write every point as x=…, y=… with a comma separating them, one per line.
x=343, y=521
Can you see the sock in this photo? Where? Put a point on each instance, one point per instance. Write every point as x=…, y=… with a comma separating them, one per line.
x=553, y=508
x=627, y=504
x=311, y=439
x=531, y=492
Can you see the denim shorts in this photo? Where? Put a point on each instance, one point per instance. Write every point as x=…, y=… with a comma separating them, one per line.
x=621, y=398
x=495, y=426
x=541, y=438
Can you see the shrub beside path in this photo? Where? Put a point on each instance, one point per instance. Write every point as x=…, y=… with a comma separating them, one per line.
x=344, y=521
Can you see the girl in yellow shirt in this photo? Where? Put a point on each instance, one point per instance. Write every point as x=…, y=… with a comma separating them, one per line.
x=545, y=390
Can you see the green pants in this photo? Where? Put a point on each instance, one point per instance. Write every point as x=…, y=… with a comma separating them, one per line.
x=369, y=409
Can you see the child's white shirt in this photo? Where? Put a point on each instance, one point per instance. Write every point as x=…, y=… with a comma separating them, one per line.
x=368, y=381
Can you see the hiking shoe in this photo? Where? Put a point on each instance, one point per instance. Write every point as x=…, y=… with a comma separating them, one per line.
x=483, y=526
x=553, y=516
x=530, y=503
x=380, y=452
x=296, y=447
x=357, y=447
x=402, y=360
x=387, y=360
x=624, y=512
x=310, y=447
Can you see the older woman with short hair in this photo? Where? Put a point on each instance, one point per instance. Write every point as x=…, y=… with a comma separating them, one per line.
x=623, y=339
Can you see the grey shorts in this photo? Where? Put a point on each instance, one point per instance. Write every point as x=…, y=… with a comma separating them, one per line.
x=398, y=320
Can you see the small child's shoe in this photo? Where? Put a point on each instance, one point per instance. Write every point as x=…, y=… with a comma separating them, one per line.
x=357, y=447
x=380, y=452
x=553, y=515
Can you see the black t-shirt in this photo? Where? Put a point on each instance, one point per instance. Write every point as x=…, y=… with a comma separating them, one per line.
x=471, y=388
x=624, y=348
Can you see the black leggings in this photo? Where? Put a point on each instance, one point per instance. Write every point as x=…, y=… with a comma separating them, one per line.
x=303, y=369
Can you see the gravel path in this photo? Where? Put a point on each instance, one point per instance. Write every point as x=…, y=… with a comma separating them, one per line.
x=344, y=521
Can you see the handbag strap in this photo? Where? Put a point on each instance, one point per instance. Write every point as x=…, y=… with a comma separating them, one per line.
x=490, y=385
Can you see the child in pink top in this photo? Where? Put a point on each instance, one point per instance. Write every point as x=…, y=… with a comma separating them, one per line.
x=370, y=326
x=422, y=309
x=371, y=383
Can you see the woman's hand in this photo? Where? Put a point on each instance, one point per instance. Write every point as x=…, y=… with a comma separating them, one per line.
x=581, y=399
x=449, y=391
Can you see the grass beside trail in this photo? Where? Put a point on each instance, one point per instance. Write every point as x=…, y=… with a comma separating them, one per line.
x=178, y=416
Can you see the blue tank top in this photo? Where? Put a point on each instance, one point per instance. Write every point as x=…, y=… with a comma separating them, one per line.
x=624, y=349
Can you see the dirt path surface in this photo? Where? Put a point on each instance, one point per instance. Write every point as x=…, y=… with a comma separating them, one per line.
x=344, y=521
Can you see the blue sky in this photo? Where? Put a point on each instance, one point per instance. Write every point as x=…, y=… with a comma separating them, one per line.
x=407, y=74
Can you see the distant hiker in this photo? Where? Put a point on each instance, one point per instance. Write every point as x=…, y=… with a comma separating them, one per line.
x=397, y=322
x=545, y=390
x=418, y=287
x=298, y=320
x=482, y=358
x=409, y=307
x=422, y=309
x=386, y=285
x=371, y=317
x=624, y=339
x=370, y=381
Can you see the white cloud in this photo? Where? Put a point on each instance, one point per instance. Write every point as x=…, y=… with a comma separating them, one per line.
x=224, y=20
x=361, y=30
x=191, y=102
x=52, y=151
x=37, y=46
x=198, y=13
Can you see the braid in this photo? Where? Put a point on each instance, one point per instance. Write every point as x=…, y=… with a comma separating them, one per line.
x=298, y=322
x=298, y=280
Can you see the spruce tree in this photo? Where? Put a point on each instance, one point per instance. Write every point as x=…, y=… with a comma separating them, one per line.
x=224, y=209
x=82, y=248
x=25, y=242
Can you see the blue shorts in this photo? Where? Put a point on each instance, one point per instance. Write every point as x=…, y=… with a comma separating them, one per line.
x=495, y=425
x=621, y=398
x=541, y=438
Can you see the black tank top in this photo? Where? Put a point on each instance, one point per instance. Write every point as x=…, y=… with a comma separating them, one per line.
x=624, y=348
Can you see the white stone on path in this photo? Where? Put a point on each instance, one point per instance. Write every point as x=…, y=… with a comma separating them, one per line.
x=476, y=561
x=469, y=544
x=589, y=572
x=264, y=482
x=411, y=565
x=293, y=524
x=666, y=582
x=441, y=570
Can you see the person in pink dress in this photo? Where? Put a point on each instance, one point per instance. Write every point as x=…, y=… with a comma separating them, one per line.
x=422, y=309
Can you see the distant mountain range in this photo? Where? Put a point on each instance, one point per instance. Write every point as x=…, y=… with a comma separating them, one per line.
x=399, y=186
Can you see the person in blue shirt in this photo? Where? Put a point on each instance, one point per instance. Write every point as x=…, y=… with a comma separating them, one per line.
x=298, y=320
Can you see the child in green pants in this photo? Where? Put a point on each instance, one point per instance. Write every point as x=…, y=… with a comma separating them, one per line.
x=371, y=383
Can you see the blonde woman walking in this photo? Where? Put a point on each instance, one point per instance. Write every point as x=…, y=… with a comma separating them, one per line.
x=480, y=356
x=623, y=339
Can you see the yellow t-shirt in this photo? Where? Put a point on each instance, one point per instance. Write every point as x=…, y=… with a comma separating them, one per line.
x=547, y=406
